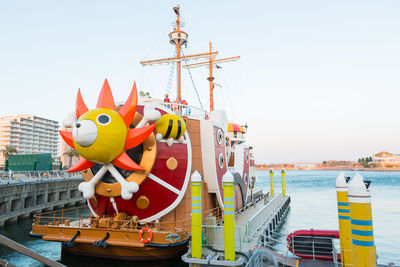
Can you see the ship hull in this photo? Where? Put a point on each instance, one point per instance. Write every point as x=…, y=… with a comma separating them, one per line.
x=128, y=253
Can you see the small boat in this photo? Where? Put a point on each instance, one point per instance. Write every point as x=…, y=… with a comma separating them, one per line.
x=313, y=244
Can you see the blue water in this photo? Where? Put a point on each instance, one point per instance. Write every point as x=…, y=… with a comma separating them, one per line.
x=314, y=205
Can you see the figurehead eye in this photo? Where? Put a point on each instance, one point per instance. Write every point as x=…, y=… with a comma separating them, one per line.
x=103, y=119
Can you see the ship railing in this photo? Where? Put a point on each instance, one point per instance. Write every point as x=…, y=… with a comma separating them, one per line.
x=186, y=111
x=81, y=217
x=265, y=214
x=213, y=236
x=31, y=176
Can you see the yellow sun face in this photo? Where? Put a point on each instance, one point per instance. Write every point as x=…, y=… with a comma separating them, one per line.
x=99, y=135
x=102, y=135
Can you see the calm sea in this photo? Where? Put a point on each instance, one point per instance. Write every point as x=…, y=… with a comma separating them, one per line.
x=313, y=206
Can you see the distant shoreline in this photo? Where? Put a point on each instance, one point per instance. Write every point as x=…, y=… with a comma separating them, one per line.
x=331, y=169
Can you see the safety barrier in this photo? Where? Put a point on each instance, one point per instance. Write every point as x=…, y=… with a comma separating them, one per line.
x=30, y=176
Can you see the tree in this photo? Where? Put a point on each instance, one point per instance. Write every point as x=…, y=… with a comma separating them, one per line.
x=71, y=153
x=359, y=160
x=370, y=159
x=10, y=150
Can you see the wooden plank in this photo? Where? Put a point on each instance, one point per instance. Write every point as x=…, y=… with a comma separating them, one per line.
x=28, y=252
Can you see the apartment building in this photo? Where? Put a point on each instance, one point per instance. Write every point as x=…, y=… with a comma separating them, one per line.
x=29, y=134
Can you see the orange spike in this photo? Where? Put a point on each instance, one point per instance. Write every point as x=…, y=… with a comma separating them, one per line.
x=106, y=99
x=137, y=136
x=81, y=165
x=127, y=112
x=125, y=162
x=80, y=105
x=67, y=136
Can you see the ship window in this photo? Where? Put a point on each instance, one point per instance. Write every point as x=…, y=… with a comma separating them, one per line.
x=247, y=157
x=179, y=34
x=220, y=136
x=221, y=160
x=245, y=178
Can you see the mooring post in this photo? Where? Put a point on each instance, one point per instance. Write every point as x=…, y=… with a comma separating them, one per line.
x=363, y=247
x=283, y=183
x=196, y=215
x=229, y=216
x=271, y=182
x=344, y=220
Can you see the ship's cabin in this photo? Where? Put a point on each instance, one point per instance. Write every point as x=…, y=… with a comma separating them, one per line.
x=236, y=133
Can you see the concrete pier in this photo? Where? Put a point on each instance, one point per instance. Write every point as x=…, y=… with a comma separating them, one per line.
x=25, y=198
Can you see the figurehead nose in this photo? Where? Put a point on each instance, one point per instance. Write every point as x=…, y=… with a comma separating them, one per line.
x=78, y=125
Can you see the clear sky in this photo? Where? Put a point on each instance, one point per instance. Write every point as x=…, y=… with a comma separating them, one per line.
x=317, y=80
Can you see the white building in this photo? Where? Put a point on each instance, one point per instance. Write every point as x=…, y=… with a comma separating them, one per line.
x=385, y=159
x=29, y=135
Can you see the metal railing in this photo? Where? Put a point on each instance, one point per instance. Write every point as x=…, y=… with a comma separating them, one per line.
x=79, y=217
x=258, y=221
x=186, y=111
x=30, y=176
x=214, y=236
x=313, y=247
x=260, y=256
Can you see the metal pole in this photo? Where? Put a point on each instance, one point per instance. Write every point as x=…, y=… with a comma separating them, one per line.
x=196, y=215
x=229, y=216
x=344, y=220
x=362, y=235
x=271, y=182
x=283, y=183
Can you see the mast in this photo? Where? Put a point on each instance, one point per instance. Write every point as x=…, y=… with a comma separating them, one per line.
x=210, y=64
x=178, y=38
x=178, y=55
x=210, y=80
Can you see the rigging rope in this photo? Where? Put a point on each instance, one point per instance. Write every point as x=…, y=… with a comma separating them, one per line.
x=171, y=77
x=194, y=86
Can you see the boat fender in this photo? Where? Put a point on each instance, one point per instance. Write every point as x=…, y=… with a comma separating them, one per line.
x=148, y=239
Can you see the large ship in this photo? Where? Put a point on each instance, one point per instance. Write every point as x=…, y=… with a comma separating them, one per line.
x=137, y=160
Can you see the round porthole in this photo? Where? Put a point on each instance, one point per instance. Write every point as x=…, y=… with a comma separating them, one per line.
x=221, y=160
x=245, y=178
x=220, y=136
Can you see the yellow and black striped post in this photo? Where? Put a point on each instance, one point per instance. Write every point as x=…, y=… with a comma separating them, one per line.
x=283, y=183
x=229, y=216
x=196, y=215
x=344, y=220
x=271, y=182
x=363, y=247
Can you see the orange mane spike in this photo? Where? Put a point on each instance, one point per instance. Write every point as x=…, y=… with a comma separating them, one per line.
x=137, y=136
x=81, y=165
x=128, y=111
x=80, y=105
x=106, y=99
x=125, y=162
x=67, y=136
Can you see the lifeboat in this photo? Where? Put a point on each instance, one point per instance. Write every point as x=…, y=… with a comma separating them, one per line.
x=313, y=244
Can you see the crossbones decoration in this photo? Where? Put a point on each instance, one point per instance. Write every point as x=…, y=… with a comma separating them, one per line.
x=102, y=136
